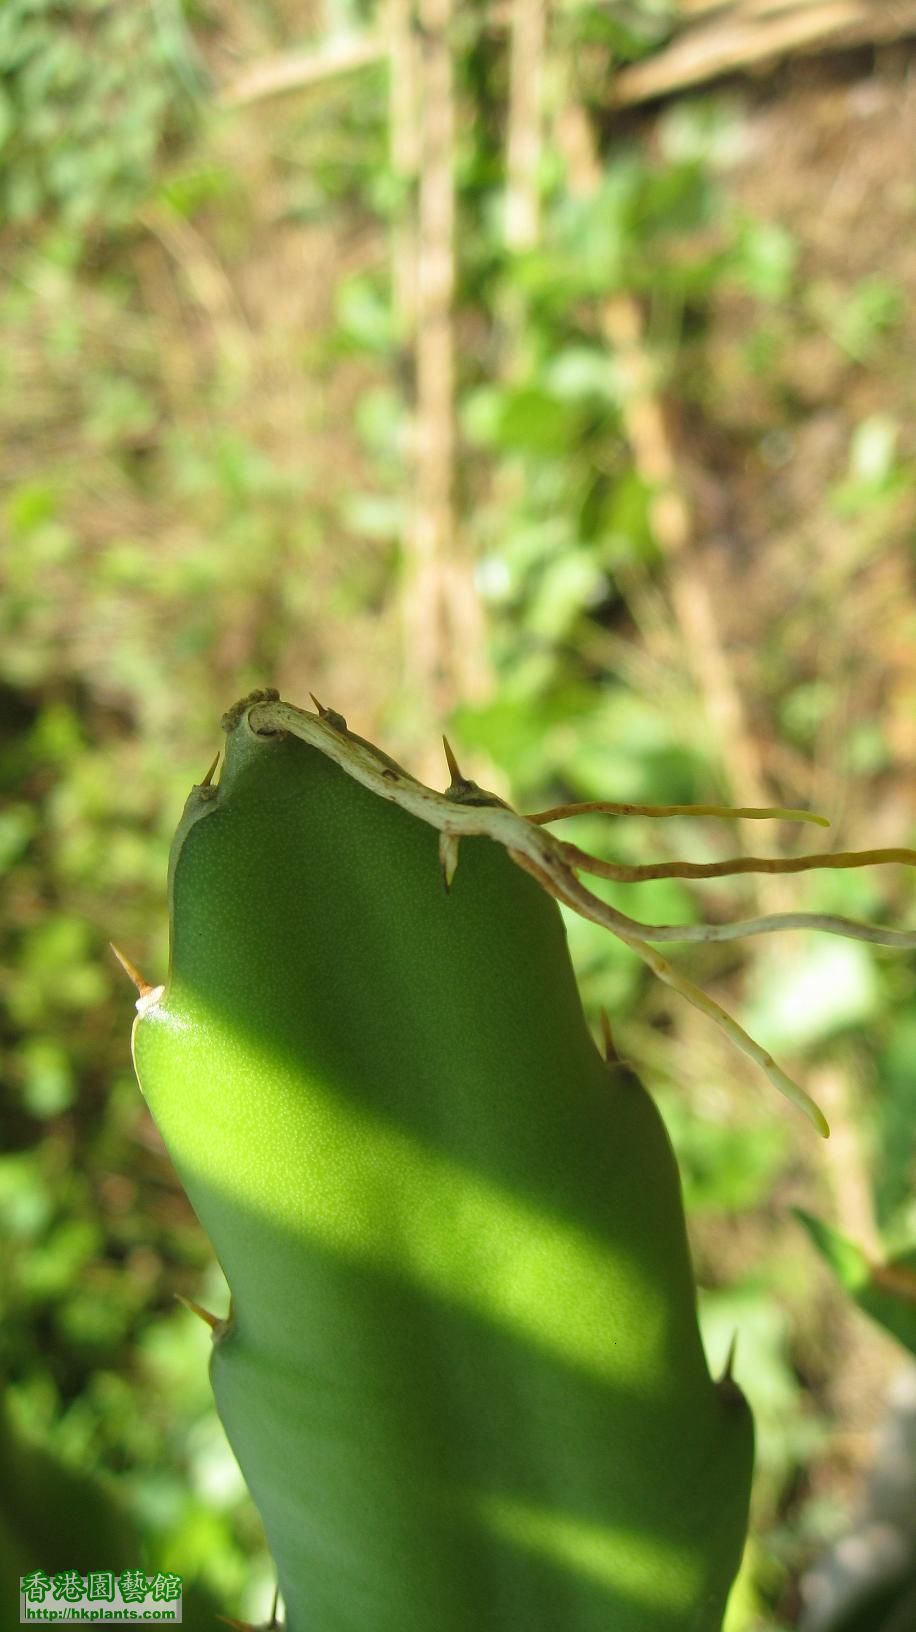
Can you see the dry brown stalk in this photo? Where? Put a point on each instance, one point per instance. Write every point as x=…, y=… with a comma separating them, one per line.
x=299, y=69
x=404, y=148
x=748, y=35
x=847, y=1162
x=443, y=632
x=527, y=37
x=430, y=529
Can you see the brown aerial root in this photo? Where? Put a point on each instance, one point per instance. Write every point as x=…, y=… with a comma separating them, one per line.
x=608, y=807
x=556, y=864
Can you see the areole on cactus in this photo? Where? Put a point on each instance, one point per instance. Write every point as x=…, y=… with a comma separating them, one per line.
x=461, y=1369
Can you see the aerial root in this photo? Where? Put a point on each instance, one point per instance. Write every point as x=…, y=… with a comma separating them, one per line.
x=736, y=1034
x=555, y=864
x=621, y=873
x=609, y=807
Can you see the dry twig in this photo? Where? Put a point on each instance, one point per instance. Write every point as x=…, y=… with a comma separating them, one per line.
x=298, y=70
x=746, y=36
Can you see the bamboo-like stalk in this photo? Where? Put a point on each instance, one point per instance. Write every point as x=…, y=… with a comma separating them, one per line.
x=430, y=529
x=521, y=208
x=527, y=38
x=404, y=150
x=444, y=643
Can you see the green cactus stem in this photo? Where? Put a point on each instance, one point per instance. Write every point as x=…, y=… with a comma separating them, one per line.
x=461, y=1370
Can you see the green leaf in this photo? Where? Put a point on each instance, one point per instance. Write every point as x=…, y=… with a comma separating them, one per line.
x=885, y=1292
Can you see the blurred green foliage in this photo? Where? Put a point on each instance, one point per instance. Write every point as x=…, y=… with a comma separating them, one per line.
x=90, y=95
x=203, y=459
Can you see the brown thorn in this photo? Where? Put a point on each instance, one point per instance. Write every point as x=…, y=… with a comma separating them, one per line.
x=209, y=776
x=329, y=714
x=213, y=1321
x=448, y=857
x=726, y=1373
x=454, y=769
x=131, y=970
x=611, y=1056
x=607, y=1037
